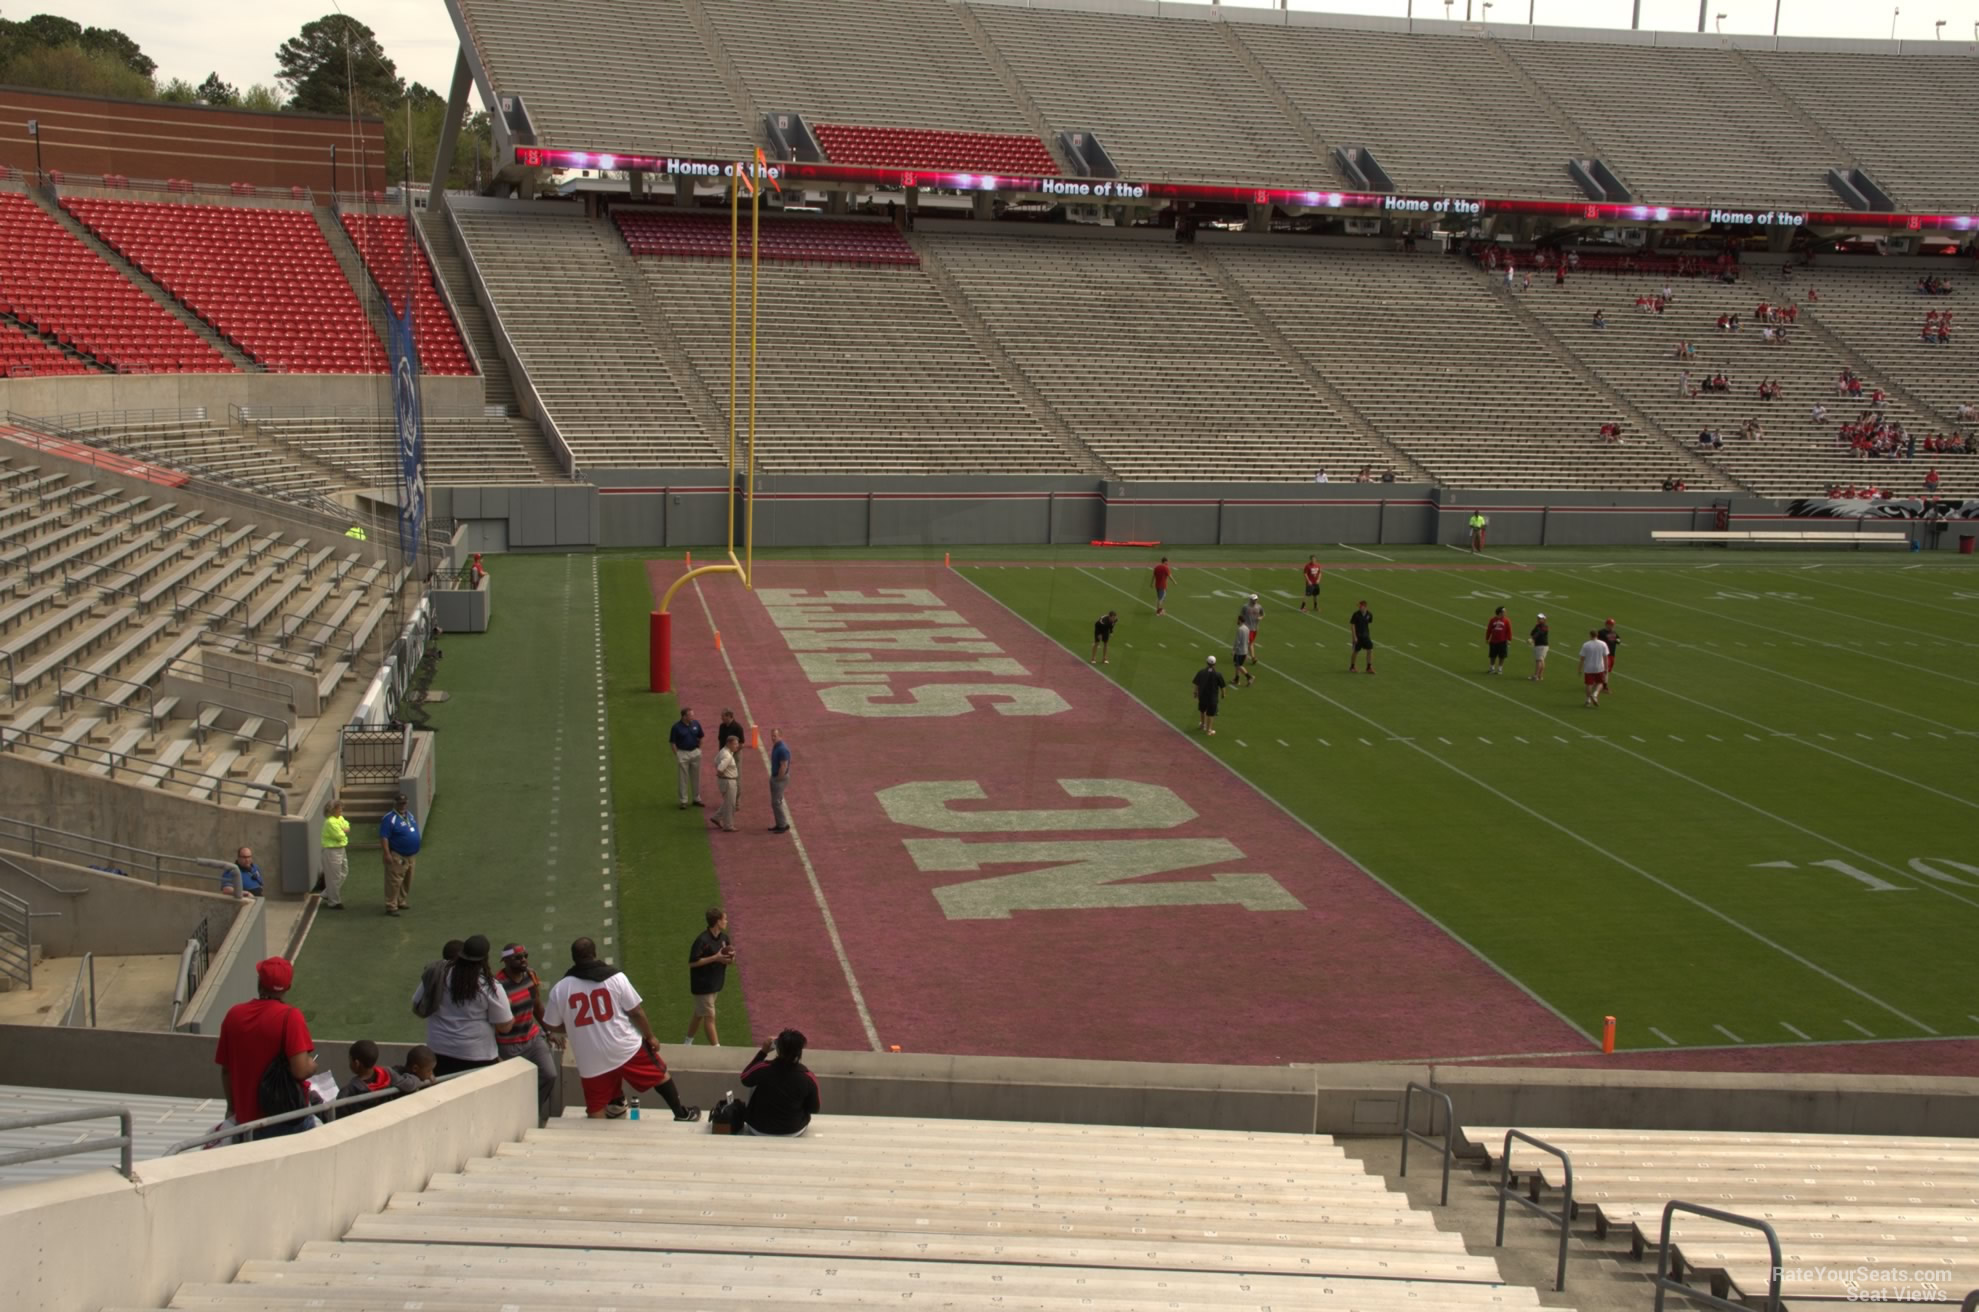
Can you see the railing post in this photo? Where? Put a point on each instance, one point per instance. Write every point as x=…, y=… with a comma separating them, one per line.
x=1564, y=1217
x=1667, y=1284
x=1449, y=1128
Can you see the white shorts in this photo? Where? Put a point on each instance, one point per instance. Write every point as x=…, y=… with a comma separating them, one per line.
x=1539, y=655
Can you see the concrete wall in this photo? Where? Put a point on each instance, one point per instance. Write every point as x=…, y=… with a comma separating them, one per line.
x=139, y=817
x=93, y=1240
x=276, y=394
x=538, y=516
x=1339, y=1099
x=113, y=915
x=464, y=610
x=230, y=976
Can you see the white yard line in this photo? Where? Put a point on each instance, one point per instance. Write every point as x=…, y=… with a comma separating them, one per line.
x=803, y=853
x=1377, y=555
x=1796, y=1031
x=1673, y=889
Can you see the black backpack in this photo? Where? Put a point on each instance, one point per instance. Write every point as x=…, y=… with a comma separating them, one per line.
x=280, y=1091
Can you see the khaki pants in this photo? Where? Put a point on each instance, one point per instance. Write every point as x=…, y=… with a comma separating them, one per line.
x=336, y=869
x=398, y=879
x=731, y=798
x=690, y=774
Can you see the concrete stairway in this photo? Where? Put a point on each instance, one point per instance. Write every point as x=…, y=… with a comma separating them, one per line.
x=497, y=387
x=870, y=1212
x=376, y=308
x=238, y=358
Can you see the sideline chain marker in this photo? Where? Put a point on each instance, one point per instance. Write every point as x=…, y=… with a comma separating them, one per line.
x=1608, y=1034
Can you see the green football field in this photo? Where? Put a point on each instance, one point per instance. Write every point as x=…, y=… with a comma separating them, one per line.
x=1767, y=833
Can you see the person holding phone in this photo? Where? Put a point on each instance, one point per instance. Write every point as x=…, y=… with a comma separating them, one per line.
x=786, y=1093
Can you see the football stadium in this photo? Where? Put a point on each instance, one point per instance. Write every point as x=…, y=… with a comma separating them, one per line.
x=1349, y=607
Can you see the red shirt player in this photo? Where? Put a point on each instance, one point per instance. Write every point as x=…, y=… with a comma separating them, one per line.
x=1497, y=639
x=1312, y=574
x=1162, y=573
x=1611, y=640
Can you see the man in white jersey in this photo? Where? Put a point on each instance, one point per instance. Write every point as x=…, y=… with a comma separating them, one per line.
x=1594, y=666
x=597, y=1007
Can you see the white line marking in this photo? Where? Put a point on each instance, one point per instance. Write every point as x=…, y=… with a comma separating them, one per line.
x=1242, y=743
x=1515, y=736
x=1675, y=739
x=1303, y=823
x=1714, y=737
x=1830, y=737
x=1797, y=1031
x=803, y=853
x=1366, y=743
x=1445, y=741
x=1377, y=555
x=1895, y=734
x=1324, y=743
x=1638, y=737
x=1283, y=743
x=1728, y=1034
x=1659, y=1034
x=1589, y=843
x=1558, y=739
x=1860, y=734
x=1861, y=1029
x=1486, y=741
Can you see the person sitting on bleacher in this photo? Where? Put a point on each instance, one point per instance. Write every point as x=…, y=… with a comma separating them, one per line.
x=248, y=872
x=1600, y=319
x=1820, y=413
x=368, y=1076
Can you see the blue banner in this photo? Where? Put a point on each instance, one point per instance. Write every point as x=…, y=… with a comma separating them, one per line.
x=411, y=436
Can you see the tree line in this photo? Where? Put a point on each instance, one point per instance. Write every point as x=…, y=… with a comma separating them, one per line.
x=334, y=65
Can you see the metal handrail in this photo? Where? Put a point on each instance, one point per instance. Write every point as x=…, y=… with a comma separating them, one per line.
x=34, y=739
x=1506, y=1193
x=1667, y=1284
x=123, y=1141
x=19, y=921
x=184, y=668
x=66, y=699
x=1449, y=1129
x=85, y=970
x=286, y=742
x=317, y=1109
x=38, y=838
x=20, y=869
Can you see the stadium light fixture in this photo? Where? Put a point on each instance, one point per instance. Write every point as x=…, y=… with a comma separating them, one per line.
x=1939, y=34
x=1893, y=21
x=1487, y=13
x=1720, y=24
x=1776, y=18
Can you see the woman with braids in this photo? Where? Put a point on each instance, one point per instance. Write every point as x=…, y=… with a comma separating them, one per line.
x=471, y=1009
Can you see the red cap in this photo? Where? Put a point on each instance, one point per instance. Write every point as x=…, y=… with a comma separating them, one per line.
x=1611, y=619
x=275, y=974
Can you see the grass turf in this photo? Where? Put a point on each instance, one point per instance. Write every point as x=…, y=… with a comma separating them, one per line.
x=1632, y=860
x=666, y=871
x=513, y=848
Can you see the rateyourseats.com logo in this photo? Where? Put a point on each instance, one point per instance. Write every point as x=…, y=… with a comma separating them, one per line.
x=1877, y=1284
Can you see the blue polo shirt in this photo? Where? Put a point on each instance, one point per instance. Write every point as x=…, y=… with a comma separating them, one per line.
x=779, y=759
x=686, y=735
x=400, y=832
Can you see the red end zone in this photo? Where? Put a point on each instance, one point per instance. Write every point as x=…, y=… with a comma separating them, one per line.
x=1033, y=864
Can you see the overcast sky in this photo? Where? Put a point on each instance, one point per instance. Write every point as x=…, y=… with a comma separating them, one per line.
x=190, y=38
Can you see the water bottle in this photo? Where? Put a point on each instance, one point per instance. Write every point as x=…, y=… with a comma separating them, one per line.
x=635, y=1109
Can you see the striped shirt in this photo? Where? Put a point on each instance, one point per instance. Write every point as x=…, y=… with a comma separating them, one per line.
x=522, y=1002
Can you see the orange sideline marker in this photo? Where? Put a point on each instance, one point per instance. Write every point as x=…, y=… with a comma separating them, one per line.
x=1608, y=1034
x=718, y=639
x=754, y=741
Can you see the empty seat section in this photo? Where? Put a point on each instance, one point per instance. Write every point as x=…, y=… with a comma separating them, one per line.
x=1169, y=98
x=1140, y=351
x=381, y=241
x=1482, y=132
x=265, y=278
x=1684, y=126
x=23, y=355
x=863, y=369
x=823, y=241
x=632, y=76
x=978, y=152
x=1494, y=408
x=1912, y=121
x=869, y=61
x=57, y=286
x=579, y=338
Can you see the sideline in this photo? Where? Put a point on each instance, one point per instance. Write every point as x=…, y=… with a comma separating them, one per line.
x=797, y=837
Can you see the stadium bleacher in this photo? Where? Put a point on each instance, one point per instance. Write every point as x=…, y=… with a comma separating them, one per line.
x=874, y=1211
x=1156, y=372
x=548, y=268
x=708, y=236
x=53, y=284
x=1918, y=130
x=1481, y=133
x=1167, y=98
x=596, y=85
x=1880, y=1218
x=910, y=63
x=1685, y=125
x=381, y=243
x=265, y=278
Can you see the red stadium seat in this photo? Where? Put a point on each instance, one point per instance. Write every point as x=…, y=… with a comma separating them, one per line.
x=967, y=152
x=817, y=241
x=264, y=278
x=381, y=240
x=59, y=287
